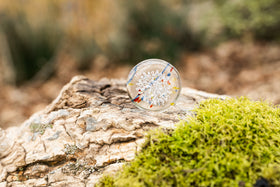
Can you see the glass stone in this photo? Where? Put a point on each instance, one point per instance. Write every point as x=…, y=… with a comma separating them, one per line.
x=154, y=85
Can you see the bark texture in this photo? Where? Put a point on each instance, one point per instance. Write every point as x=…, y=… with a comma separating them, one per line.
x=90, y=129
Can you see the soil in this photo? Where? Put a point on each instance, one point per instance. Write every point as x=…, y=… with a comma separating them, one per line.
x=233, y=68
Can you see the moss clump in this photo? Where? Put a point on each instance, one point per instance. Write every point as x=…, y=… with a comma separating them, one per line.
x=235, y=142
x=106, y=181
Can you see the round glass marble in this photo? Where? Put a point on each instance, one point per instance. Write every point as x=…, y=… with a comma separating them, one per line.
x=153, y=84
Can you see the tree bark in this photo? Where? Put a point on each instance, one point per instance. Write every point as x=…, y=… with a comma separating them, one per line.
x=91, y=129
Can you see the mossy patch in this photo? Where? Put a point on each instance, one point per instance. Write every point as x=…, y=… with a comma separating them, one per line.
x=235, y=142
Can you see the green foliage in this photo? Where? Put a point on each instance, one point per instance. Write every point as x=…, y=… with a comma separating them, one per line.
x=30, y=49
x=158, y=29
x=260, y=18
x=234, y=142
x=133, y=31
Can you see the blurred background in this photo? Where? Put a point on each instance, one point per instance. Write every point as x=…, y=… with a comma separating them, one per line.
x=221, y=46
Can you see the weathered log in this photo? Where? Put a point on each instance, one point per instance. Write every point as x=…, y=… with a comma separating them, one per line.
x=90, y=129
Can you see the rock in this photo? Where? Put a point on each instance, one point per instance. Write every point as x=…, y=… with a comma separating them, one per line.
x=90, y=129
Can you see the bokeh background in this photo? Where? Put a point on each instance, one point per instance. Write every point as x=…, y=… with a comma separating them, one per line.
x=221, y=46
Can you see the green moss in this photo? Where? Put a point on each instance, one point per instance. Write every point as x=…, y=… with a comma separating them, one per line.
x=227, y=143
x=106, y=181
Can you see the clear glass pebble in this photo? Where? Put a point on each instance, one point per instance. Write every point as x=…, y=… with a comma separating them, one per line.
x=153, y=84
